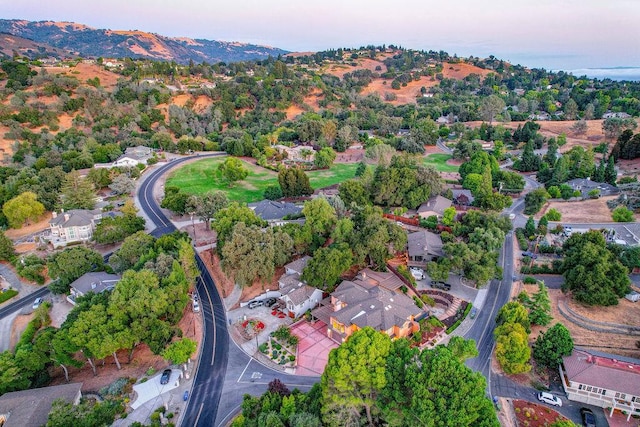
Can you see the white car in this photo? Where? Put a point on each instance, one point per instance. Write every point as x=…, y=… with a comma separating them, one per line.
x=417, y=273
x=549, y=398
x=37, y=302
x=196, y=306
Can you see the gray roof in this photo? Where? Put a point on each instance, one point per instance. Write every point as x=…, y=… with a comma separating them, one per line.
x=435, y=204
x=424, y=242
x=287, y=280
x=300, y=294
x=373, y=306
x=298, y=265
x=75, y=218
x=462, y=192
x=95, y=282
x=386, y=279
x=271, y=210
x=586, y=185
x=32, y=407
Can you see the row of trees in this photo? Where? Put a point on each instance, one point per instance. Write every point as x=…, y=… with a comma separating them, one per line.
x=371, y=380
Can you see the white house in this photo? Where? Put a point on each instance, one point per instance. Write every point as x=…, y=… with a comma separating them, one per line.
x=297, y=295
x=76, y=225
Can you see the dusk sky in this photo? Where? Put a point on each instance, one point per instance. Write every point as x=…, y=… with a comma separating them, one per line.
x=554, y=34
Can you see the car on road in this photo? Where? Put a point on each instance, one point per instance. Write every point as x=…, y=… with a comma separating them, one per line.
x=165, y=377
x=473, y=312
x=196, y=306
x=440, y=285
x=417, y=273
x=255, y=303
x=37, y=302
x=512, y=216
x=269, y=302
x=588, y=418
x=549, y=398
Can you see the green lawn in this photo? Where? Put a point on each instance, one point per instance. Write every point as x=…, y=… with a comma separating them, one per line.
x=202, y=176
x=439, y=161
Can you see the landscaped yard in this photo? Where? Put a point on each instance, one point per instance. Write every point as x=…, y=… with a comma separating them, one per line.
x=202, y=176
x=439, y=161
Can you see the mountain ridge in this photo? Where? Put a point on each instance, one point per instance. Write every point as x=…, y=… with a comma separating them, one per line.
x=77, y=39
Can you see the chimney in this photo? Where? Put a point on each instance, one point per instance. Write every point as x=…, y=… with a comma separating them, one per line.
x=364, y=275
x=66, y=217
x=54, y=214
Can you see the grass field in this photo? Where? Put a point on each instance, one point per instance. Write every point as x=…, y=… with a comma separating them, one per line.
x=439, y=161
x=202, y=176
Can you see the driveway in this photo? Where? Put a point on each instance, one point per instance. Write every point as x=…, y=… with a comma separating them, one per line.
x=152, y=388
x=458, y=288
x=313, y=348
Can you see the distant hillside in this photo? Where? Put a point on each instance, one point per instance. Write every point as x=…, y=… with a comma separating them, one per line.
x=11, y=44
x=81, y=40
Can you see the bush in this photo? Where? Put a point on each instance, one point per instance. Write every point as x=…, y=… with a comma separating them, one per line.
x=553, y=215
x=8, y=294
x=418, y=302
x=622, y=214
x=528, y=280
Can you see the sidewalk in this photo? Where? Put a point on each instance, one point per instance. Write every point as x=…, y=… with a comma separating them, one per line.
x=468, y=322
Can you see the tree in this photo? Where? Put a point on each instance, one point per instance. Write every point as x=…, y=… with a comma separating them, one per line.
x=552, y=345
x=539, y=306
x=592, y=273
x=122, y=184
x=570, y=110
x=131, y=251
x=490, y=107
x=610, y=174
x=324, y=158
x=72, y=263
x=180, y=351
x=233, y=170
x=529, y=161
x=7, y=251
x=327, y=265
x=353, y=377
x=530, y=227
x=579, y=128
x=294, y=182
x=512, y=348
x=86, y=413
x=226, y=218
x=449, y=215
x=534, y=200
x=207, y=205
x=77, y=192
x=116, y=229
x=614, y=126
x=622, y=214
x=380, y=154
x=319, y=216
x=352, y=191
x=514, y=312
x=24, y=207
x=99, y=177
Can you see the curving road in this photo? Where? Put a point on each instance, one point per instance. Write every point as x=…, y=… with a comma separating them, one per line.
x=202, y=407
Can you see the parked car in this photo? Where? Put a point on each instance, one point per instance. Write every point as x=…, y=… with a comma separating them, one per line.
x=255, y=304
x=37, y=302
x=588, y=418
x=417, y=273
x=473, y=312
x=196, y=306
x=549, y=398
x=195, y=297
x=165, y=377
x=440, y=285
x=269, y=302
x=530, y=254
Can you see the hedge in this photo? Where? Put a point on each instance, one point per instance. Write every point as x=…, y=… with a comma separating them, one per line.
x=457, y=322
x=6, y=295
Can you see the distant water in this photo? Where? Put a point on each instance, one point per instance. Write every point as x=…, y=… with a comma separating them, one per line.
x=615, y=73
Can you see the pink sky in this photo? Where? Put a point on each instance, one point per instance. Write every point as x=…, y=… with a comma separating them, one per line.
x=544, y=33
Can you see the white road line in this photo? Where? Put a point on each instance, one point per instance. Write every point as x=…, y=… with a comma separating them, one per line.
x=199, y=413
x=213, y=357
x=244, y=370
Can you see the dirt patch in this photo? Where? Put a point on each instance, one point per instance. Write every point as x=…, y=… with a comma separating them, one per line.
x=19, y=325
x=223, y=283
x=351, y=155
x=534, y=415
x=34, y=227
x=585, y=211
x=84, y=71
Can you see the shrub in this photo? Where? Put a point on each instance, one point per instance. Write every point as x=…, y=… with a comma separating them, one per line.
x=553, y=215
x=8, y=294
x=528, y=280
x=622, y=214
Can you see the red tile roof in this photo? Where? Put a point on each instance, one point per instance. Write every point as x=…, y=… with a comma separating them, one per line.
x=603, y=372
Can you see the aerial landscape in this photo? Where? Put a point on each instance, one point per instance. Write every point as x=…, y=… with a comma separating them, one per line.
x=298, y=215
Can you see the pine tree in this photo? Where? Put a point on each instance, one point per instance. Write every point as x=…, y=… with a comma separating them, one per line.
x=610, y=173
x=77, y=192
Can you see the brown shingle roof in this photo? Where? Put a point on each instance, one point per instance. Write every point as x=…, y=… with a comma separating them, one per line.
x=603, y=372
x=423, y=243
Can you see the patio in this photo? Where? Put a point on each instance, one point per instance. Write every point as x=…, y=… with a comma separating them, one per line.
x=313, y=348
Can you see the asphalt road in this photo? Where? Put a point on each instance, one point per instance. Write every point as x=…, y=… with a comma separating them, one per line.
x=202, y=407
x=23, y=302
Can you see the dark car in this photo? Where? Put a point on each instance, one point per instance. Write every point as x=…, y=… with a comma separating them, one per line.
x=166, y=375
x=255, y=304
x=440, y=285
x=269, y=302
x=588, y=418
x=530, y=255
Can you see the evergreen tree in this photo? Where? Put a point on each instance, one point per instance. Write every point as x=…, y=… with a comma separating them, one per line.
x=77, y=192
x=610, y=174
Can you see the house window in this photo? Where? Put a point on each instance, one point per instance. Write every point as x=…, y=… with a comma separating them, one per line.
x=72, y=233
x=621, y=396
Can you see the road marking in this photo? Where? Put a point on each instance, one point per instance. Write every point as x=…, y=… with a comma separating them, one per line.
x=199, y=413
x=213, y=315
x=244, y=370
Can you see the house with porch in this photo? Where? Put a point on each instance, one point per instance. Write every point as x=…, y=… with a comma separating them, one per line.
x=434, y=206
x=602, y=379
x=96, y=282
x=359, y=303
x=423, y=246
x=297, y=296
x=76, y=225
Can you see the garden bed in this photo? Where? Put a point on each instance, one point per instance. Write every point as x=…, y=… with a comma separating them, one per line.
x=281, y=347
x=530, y=414
x=250, y=328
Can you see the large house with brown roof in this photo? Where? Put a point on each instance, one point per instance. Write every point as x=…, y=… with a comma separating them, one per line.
x=32, y=407
x=364, y=302
x=423, y=246
x=602, y=379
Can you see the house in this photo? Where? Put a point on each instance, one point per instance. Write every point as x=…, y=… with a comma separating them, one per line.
x=386, y=279
x=297, y=296
x=585, y=185
x=274, y=212
x=357, y=304
x=423, y=246
x=617, y=115
x=134, y=156
x=434, y=206
x=462, y=197
x=96, y=282
x=32, y=407
x=602, y=379
x=299, y=153
x=76, y=225
x=541, y=116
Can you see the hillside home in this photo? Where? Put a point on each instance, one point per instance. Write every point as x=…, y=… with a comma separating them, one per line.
x=434, y=206
x=462, y=197
x=76, y=225
x=585, y=185
x=32, y=407
x=96, y=282
x=601, y=379
x=423, y=246
x=298, y=153
x=358, y=304
x=297, y=296
x=274, y=212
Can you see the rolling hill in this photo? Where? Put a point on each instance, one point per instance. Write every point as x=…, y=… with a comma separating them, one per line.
x=80, y=40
